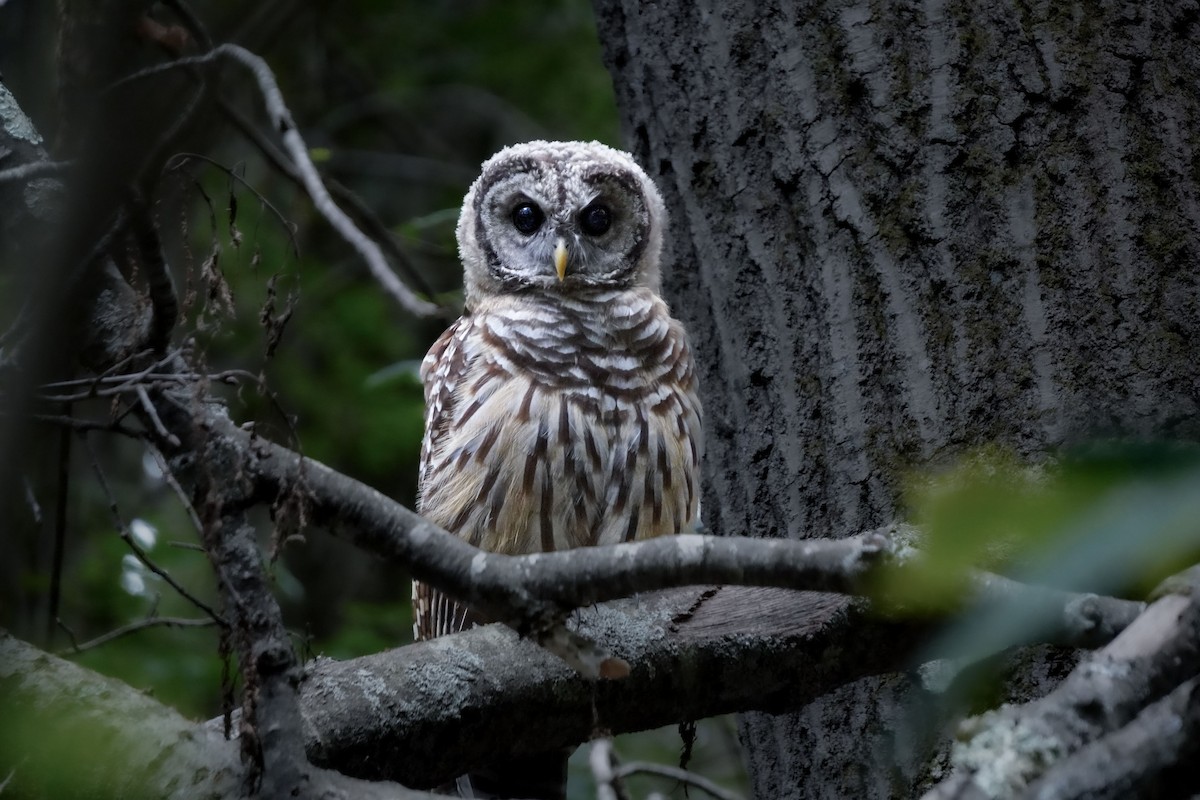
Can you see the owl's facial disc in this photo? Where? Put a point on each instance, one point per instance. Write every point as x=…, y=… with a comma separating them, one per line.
x=560, y=217
x=563, y=225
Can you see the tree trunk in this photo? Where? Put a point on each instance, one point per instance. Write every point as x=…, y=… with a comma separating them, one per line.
x=902, y=230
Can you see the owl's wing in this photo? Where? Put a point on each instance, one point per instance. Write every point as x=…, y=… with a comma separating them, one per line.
x=443, y=368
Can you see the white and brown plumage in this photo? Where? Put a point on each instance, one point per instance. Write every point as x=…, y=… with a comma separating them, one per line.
x=561, y=408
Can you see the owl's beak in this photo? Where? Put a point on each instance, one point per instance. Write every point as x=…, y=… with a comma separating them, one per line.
x=560, y=258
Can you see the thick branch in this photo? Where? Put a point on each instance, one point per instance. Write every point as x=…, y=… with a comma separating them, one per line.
x=453, y=703
x=1153, y=756
x=1153, y=656
x=456, y=701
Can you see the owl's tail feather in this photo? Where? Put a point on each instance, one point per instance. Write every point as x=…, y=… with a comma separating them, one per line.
x=539, y=776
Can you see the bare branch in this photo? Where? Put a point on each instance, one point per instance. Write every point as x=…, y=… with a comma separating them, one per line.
x=136, y=746
x=293, y=142
x=602, y=761
x=83, y=425
x=366, y=216
x=676, y=774
x=182, y=495
x=134, y=627
x=1149, y=659
x=521, y=589
x=139, y=553
x=152, y=415
x=120, y=384
x=1152, y=756
x=1078, y=620
x=272, y=730
x=35, y=169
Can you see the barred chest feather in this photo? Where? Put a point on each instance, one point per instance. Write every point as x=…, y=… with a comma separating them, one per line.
x=561, y=422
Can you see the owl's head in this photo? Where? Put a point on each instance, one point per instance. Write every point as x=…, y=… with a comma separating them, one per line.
x=560, y=217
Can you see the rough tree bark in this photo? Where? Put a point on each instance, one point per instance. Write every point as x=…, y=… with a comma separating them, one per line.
x=902, y=230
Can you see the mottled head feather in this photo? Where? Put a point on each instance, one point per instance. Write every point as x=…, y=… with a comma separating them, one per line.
x=561, y=178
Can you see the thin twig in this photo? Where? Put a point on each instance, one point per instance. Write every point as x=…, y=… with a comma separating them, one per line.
x=293, y=143
x=675, y=773
x=113, y=369
x=67, y=629
x=107, y=376
x=148, y=374
x=134, y=627
x=602, y=761
x=82, y=425
x=138, y=552
x=365, y=215
x=185, y=501
x=152, y=413
x=177, y=161
x=122, y=384
x=34, y=169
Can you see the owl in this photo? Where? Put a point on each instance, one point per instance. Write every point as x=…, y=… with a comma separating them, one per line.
x=561, y=408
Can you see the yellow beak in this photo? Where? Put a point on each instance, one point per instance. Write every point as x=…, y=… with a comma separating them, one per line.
x=560, y=259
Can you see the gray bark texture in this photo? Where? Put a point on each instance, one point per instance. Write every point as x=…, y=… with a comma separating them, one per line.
x=902, y=230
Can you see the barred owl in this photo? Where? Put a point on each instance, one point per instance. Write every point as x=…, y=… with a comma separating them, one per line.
x=561, y=408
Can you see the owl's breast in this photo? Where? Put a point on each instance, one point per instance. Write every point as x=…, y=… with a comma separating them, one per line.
x=569, y=434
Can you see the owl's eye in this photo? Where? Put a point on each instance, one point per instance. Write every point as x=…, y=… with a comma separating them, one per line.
x=595, y=219
x=527, y=218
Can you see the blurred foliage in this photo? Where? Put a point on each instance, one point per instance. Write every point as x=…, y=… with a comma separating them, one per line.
x=1108, y=517
x=78, y=739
